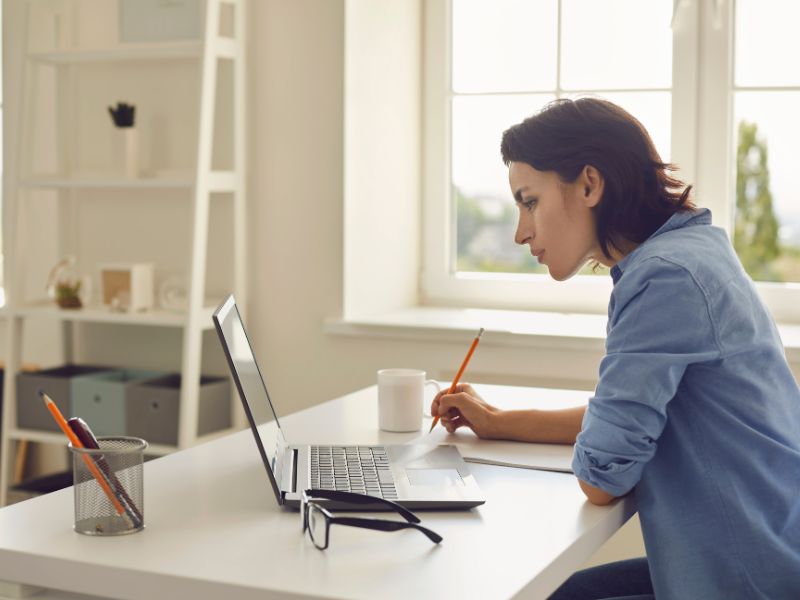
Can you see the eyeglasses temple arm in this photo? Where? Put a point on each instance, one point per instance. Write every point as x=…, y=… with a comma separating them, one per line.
x=384, y=525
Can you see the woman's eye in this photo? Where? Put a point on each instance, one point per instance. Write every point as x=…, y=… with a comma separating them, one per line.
x=529, y=203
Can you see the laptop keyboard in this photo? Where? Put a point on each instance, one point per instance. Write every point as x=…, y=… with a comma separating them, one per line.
x=360, y=469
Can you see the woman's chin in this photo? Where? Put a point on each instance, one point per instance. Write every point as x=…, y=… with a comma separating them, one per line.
x=561, y=274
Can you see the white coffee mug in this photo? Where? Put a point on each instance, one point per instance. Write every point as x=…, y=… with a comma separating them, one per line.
x=401, y=399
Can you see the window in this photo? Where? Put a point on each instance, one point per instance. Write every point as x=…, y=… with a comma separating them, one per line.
x=2, y=163
x=491, y=64
x=766, y=94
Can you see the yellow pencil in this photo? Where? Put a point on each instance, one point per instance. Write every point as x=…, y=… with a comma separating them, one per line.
x=460, y=372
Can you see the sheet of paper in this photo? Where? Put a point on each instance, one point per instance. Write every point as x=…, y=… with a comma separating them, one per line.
x=547, y=457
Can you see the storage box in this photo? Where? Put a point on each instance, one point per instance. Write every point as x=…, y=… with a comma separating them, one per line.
x=59, y=384
x=39, y=485
x=127, y=286
x=100, y=399
x=153, y=408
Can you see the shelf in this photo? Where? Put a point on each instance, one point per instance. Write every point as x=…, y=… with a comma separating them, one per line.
x=99, y=314
x=221, y=181
x=226, y=48
x=170, y=50
x=218, y=181
x=53, y=437
x=108, y=182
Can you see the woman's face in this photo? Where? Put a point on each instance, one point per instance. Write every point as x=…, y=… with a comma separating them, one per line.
x=556, y=219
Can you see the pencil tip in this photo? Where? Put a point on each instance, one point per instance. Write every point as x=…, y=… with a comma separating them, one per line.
x=480, y=333
x=44, y=396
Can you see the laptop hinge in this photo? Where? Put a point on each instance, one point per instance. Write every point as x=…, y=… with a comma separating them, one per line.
x=295, y=456
x=291, y=461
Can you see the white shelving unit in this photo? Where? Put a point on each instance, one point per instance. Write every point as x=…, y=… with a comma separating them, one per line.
x=198, y=184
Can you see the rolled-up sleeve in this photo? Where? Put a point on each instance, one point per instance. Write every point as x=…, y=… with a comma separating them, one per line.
x=659, y=325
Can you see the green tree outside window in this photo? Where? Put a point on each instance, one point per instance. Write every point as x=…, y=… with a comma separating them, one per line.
x=755, y=233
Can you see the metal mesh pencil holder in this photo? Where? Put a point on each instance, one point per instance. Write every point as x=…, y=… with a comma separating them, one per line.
x=108, y=484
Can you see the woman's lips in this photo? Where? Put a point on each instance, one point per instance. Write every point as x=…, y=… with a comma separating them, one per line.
x=538, y=254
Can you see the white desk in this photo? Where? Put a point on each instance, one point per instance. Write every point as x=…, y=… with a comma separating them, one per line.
x=214, y=530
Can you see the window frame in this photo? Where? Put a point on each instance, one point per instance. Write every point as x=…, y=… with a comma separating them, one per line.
x=701, y=142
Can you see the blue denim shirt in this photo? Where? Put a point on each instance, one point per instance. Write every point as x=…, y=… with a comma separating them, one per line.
x=697, y=413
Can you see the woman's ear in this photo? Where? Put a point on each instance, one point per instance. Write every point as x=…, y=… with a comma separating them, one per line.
x=591, y=185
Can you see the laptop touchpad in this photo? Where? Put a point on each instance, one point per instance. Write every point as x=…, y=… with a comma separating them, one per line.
x=434, y=477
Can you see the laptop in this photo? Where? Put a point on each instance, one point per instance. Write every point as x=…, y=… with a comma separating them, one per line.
x=417, y=476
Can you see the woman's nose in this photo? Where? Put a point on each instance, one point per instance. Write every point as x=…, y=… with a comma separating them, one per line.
x=521, y=236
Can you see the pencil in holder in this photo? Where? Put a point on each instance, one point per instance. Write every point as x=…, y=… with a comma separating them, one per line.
x=109, y=486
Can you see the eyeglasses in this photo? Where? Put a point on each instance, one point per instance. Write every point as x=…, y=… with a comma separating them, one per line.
x=317, y=520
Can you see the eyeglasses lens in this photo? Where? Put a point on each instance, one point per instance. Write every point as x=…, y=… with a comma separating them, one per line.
x=317, y=527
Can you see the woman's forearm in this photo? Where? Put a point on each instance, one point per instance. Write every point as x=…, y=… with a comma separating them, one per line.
x=544, y=426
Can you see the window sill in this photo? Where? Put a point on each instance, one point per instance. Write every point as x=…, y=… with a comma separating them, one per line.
x=503, y=327
x=566, y=331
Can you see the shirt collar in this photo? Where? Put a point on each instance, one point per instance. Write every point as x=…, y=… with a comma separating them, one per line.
x=676, y=221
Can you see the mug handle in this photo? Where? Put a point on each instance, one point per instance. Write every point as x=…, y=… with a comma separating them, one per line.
x=438, y=389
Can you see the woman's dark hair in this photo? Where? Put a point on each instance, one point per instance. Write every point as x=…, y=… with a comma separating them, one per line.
x=639, y=195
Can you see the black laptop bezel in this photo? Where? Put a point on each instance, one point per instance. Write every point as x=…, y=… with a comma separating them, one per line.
x=220, y=315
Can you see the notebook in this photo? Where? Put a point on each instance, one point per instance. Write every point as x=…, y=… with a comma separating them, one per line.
x=417, y=476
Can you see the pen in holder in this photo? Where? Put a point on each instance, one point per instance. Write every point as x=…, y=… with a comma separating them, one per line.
x=105, y=480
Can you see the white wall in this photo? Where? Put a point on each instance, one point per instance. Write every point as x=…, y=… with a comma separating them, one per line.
x=382, y=143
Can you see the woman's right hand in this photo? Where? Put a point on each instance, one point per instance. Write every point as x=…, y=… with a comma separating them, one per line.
x=465, y=408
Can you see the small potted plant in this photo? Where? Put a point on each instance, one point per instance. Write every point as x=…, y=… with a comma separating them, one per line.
x=67, y=294
x=63, y=285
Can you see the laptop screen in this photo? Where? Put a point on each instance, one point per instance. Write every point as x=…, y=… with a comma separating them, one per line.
x=253, y=391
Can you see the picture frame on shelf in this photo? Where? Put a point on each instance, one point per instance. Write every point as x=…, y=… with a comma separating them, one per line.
x=127, y=287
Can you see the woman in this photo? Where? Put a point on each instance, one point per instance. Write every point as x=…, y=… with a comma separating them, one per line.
x=696, y=412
